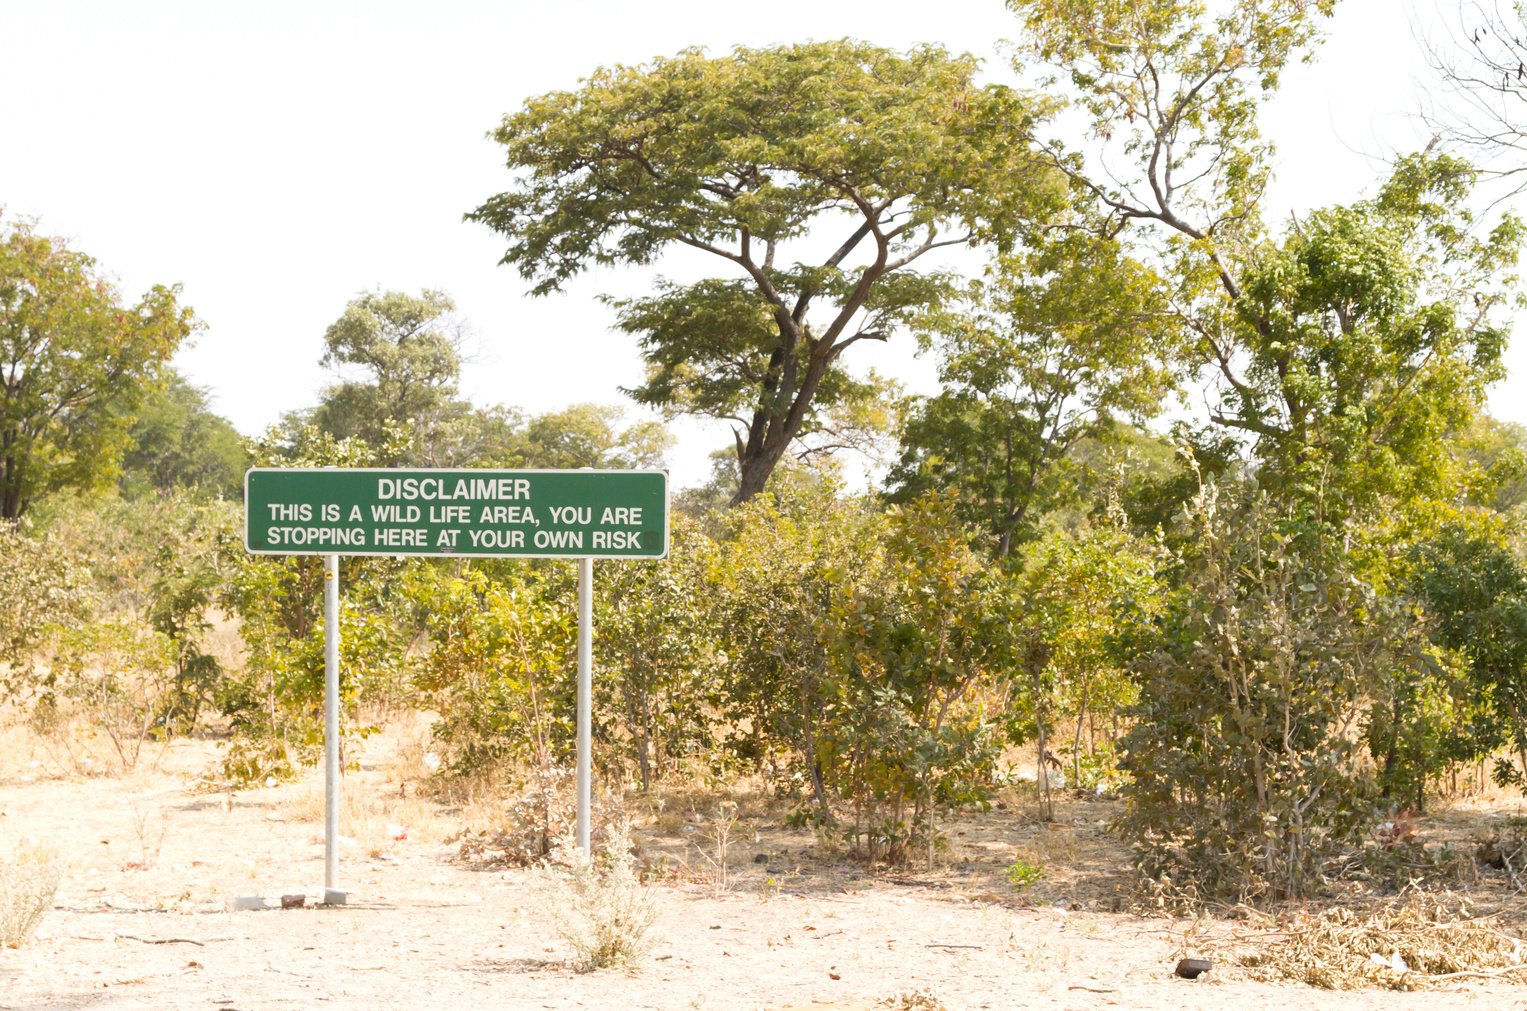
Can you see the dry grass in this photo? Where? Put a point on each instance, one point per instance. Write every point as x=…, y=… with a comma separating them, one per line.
x=374, y=813
x=28, y=881
x=1410, y=943
x=60, y=744
x=599, y=907
x=911, y=1000
x=375, y=820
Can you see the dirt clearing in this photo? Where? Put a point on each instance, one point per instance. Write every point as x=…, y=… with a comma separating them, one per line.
x=141, y=919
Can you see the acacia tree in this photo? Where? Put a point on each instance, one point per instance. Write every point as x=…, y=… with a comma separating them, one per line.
x=756, y=158
x=75, y=362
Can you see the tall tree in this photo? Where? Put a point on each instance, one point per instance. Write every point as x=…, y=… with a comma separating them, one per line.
x=407, y=346
x=755, y=159
x=178, y=441
x=1063, y=341
x=1367, y=336
x=1342, y=353
x=75, y=362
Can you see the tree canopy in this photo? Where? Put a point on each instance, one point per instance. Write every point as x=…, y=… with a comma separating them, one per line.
x=75, y=363
x=178, y=441
x=1065, y=339
x=407, y=346
x=817, y=173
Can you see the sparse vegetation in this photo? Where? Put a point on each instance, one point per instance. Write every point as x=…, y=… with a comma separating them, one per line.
x=911, y=1000
x=29, y=876
x=1022, y=874
x=598, y=905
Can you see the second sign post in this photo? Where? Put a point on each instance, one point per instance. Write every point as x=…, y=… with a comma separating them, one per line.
x=582, y=514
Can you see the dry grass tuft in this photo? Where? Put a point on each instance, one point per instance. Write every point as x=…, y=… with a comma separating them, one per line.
x=28, y=881
x=599, y=907
x=1409, y=943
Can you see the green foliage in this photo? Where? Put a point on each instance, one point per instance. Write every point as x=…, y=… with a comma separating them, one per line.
x=1475, y=589
x=77, y=363
x=741, y=157
x=160, y=560
x=499, y=673
x=1493, y=455
x=1369, y=334
x=44, y=585
x=1073, y=599
x=178, y=442
x=1174, y=86
x=906, y=731
x=1066, y=338
x=858, y=661
x=1021, y=874
x=406, y=346
x=1344, y=352
x=1154, y=492
x=774, y=584
x=274, y=703
x=1426, y=718
x=117, y=675
x=1243, y=763
x=657, y=656
x=588, y=435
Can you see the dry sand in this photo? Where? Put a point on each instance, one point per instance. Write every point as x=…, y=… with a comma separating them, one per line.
x=141, y=919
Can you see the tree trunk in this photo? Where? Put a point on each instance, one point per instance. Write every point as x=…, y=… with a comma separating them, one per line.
x=641, y=738
x=1076, y=742
x=755, y=475
x=1045, y=806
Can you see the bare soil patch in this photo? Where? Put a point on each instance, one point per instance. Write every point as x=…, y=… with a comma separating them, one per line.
x=142, y=918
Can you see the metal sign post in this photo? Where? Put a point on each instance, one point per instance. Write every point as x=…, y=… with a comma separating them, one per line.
x=332, y=895
x=585, y=694
x=579, y=514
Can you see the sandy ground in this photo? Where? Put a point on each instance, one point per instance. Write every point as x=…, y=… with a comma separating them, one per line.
x=141, y=919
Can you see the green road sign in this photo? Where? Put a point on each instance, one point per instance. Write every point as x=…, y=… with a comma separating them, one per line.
x=523, y=513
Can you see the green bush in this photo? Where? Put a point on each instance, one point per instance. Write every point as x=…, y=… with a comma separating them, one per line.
x=1245, y=771
x=1022, y=873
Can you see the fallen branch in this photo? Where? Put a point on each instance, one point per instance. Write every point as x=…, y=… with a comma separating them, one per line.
x=941, y=944
x=162, y=940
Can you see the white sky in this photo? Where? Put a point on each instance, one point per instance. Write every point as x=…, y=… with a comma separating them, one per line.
x=278, y=158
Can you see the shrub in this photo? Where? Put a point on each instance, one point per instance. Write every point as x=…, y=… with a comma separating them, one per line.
x=1022, y=873
x=599, y=906
x=46, y=584
x=528, y=825
x=120, y=676
x=28, y=881
x=500, y=671
x=658, y=668
x=1245, y=764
